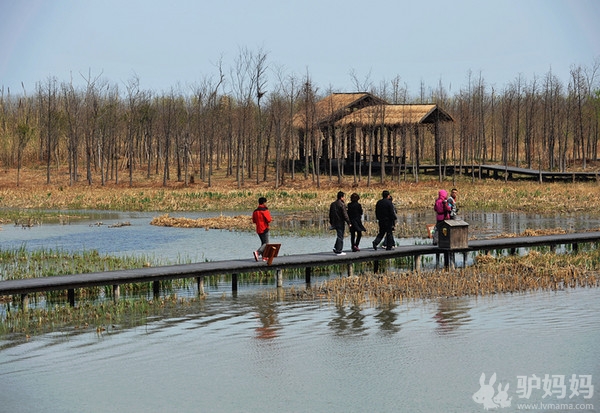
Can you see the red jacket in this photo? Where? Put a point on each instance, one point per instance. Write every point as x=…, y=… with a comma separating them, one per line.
x=261, y=217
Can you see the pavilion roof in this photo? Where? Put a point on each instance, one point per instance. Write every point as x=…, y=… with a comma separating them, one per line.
x=335, y=106
x=395, y=115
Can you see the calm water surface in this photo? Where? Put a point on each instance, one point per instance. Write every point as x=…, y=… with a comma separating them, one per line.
x=244, y=355
x=194, y=244
x=247, y=354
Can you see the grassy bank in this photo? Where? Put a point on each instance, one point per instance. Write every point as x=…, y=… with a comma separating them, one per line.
x=296, y=195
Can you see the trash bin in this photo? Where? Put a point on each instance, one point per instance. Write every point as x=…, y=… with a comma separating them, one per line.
x=454, y=234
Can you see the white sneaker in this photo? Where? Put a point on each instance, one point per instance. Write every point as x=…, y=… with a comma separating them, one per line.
x=340, y=253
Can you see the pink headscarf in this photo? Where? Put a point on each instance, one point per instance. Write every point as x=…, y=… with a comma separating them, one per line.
x=443, y=194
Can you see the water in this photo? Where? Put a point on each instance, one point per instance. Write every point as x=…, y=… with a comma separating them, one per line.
x=195, y=244
x=163, y=243
x=247, y=354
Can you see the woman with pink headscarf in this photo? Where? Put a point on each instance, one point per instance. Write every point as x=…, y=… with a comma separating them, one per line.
x=442, y=212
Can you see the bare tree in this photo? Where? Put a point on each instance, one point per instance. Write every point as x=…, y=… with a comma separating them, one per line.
x=91, y=113
x=24, y=129
x=73, y=106
x=147, y=112
x=134, y=97
x=551, y=108
x=310, y=124
x=167, y=115
x=530, y=103
x=259, y=81
x=291, y=143
x=49, y=120
x=244, y=89
x=108, y=128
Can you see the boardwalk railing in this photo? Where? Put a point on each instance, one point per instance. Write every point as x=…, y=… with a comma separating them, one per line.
x=200, y=270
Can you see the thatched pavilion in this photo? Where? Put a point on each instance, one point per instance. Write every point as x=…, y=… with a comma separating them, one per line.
x=360, y=129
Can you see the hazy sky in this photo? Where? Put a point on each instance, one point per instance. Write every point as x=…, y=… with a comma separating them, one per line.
x=177, y=43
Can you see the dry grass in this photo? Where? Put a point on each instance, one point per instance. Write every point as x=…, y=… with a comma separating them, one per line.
x=489, y=275
x=295, y=195
x=240, y=222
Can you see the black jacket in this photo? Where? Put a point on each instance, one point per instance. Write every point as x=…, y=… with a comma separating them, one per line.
x=355, y=213
x=385, y=212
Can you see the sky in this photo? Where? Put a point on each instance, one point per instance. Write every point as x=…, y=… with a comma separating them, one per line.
x=343, y=46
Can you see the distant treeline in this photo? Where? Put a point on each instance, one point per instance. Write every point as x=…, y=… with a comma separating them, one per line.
x=243, y=124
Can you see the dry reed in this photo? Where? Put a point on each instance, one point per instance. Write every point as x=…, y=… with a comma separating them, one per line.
x=299, y=194
x=240, y=222
x=489, y=275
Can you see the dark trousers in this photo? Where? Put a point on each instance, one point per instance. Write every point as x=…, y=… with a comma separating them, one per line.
x=436, y=234
x=339, y=239
x=388, y=232
x=355, y=237
x=264, y=239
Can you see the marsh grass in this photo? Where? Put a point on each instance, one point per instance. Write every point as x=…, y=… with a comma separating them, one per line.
x=21, y=263
x=103, y=318
x=536, y=271
x=296, y=195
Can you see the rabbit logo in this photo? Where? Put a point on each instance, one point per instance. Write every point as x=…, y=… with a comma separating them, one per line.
x=486, y=394
x=501, y=398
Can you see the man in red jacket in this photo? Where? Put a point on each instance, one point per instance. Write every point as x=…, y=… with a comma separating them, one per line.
x=261, y=218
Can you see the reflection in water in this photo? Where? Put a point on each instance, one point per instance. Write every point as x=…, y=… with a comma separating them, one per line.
x=267, y=314
x=275, y=353
x=452, y=313
x=348, y=323
x=387, y=319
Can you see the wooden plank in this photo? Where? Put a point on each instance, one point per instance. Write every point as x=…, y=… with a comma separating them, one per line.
x=201, y=269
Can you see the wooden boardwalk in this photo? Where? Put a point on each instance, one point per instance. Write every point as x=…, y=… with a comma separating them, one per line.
x=510, y=173
x=307, y=261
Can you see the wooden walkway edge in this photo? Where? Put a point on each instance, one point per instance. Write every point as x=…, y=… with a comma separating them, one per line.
x=308, y=261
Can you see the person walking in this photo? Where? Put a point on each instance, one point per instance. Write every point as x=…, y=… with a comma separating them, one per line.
x=338, y=218
x=384, y=245
x=355, y=213
x=442, y=212
x=261, y=218
x=386, y=217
